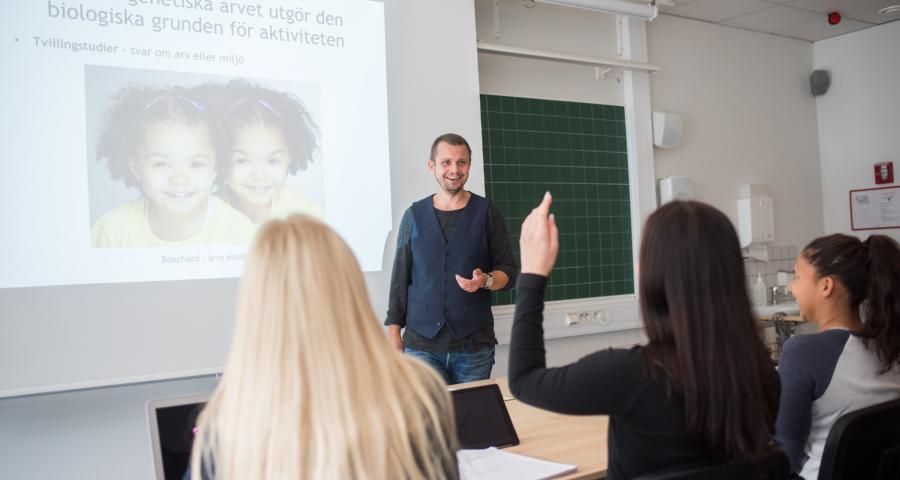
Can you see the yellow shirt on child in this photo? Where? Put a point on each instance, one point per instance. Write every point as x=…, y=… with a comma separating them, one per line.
x=127, y=226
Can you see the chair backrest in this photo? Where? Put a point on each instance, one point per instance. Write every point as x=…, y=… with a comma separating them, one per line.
x=864, y=444
x=775, y=466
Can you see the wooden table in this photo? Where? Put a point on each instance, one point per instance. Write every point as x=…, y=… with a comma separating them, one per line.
x=573, y=439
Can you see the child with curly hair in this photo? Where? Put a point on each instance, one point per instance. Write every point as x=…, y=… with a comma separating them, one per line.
x=163, y=140
x=268, y=135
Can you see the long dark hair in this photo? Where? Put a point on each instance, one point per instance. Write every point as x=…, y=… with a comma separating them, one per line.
x=870, y=271
x=702, y=332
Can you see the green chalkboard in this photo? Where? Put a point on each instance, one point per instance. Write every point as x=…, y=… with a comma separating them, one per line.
x=577, y=152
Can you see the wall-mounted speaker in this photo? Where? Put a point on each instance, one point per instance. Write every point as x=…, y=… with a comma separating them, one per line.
x=667, y=128
x=819, y=81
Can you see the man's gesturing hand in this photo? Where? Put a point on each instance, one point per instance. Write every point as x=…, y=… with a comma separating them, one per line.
x=478, y=280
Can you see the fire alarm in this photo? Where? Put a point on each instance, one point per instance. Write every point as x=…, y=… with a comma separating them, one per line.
x=834, y=18
x=884, y=172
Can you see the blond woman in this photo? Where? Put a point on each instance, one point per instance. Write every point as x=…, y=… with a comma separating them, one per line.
x=312, y=388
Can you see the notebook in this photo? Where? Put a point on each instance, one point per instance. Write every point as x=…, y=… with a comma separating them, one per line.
x=172, y=424
x=482, y=419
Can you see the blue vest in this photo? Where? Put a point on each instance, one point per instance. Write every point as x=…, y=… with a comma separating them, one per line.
x=435, y=299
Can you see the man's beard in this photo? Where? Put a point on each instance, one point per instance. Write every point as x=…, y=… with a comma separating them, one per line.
x=445, y=186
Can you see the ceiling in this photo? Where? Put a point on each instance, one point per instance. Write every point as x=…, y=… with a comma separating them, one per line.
x=801, y=19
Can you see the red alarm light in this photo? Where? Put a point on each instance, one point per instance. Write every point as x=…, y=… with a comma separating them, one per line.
x=884, y=172
x=834, y=18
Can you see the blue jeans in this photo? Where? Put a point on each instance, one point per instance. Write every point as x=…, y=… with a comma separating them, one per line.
x=458, y=367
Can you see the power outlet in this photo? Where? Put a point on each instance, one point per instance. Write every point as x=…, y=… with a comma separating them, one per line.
x=574, y=318
x=601, y=318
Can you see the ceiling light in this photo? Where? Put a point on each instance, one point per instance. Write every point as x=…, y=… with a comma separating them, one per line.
x=615, y=7
x=890, y=10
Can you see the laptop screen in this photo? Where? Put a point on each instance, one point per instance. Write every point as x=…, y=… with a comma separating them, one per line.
x=482, y=419
x=172, y=424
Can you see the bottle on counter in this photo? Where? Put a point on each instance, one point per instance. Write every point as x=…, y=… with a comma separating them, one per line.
x=759, y=291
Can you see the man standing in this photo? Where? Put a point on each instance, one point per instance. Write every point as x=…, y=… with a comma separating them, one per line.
x=443, y=239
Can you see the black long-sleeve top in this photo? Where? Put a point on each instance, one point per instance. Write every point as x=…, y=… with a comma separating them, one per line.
x=502, y=257
x=646, y=423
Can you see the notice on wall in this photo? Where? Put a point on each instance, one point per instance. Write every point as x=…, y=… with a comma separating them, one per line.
x=875, y=208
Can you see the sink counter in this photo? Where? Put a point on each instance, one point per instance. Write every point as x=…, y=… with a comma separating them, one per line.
x=791, y=311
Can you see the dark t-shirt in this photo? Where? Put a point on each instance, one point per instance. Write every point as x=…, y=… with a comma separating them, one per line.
x=646, y=423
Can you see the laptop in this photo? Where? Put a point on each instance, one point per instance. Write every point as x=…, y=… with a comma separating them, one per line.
x=172, y=422
x=482, y=419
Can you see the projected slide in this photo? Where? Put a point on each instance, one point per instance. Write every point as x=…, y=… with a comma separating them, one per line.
x=147, y=140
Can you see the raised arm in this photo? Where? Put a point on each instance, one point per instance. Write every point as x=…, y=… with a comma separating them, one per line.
x=593, y=385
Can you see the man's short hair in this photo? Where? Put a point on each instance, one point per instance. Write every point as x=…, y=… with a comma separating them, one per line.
x=450, y=139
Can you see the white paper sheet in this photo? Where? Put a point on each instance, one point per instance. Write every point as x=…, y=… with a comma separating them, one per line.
x=494, y=464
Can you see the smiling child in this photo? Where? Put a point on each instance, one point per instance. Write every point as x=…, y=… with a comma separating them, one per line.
x=162, y=140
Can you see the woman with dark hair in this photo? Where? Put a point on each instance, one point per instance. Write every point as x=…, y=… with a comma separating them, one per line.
x=851, y=290
x=703, y=388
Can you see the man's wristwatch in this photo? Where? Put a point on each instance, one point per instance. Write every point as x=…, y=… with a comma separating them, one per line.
x=489, y=281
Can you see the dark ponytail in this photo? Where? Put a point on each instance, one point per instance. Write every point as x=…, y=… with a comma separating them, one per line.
x=870, y=271
x=881, y=309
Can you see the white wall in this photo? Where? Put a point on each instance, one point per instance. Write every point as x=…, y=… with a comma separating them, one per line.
x=88, y=434
x=859, y=116
x=748, y=118
x=432, y=89
x=585, y=33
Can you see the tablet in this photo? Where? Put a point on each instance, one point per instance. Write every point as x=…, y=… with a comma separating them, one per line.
x=482, y=419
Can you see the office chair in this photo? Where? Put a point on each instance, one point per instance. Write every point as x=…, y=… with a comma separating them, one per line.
x=776, y=466
x=864, y=444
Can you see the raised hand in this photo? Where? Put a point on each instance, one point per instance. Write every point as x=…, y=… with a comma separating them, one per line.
x=539, y=241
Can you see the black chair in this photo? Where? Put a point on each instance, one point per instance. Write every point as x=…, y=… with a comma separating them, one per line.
x=864, y=444
x=773, y=467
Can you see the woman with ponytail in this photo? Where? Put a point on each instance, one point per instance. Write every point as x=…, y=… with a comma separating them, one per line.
x=849, y=288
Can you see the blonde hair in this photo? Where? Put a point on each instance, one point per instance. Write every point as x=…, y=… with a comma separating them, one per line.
x=312, y=387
